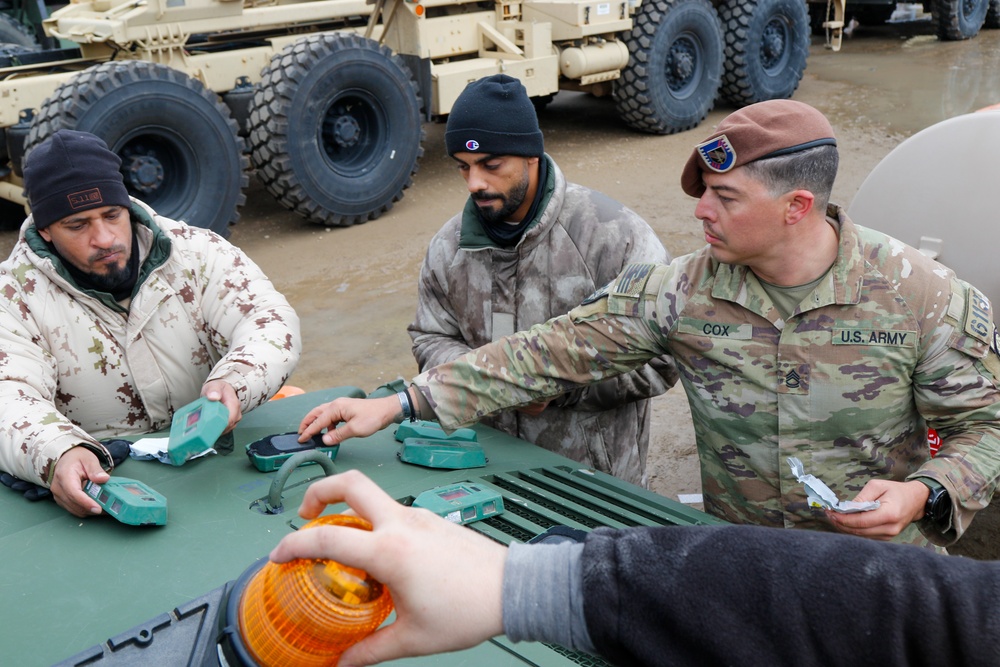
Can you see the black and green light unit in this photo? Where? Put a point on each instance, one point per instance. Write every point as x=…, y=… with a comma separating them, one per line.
x=270, y=452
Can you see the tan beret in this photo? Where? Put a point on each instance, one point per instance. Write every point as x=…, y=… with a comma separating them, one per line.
x=762, y=130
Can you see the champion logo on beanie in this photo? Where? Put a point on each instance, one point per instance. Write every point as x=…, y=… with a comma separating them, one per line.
x=494, y=115
x=70, y=172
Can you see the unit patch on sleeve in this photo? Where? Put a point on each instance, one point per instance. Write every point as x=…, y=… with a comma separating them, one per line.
x=978, y=316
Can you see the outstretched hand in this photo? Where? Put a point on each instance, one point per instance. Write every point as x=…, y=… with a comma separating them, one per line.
x=446, y=581
x=357, y=417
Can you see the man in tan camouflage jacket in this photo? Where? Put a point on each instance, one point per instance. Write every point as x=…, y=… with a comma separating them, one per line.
x=114, y=317
x=529, y=246
x=797, y=334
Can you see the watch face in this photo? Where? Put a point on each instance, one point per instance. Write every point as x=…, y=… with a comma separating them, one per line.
x=939, y=505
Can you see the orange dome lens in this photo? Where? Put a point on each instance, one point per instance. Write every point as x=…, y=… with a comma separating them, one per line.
x=308, y=612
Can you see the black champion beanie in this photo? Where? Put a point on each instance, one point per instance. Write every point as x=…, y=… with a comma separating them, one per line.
x=494, y=115
x=71, y=172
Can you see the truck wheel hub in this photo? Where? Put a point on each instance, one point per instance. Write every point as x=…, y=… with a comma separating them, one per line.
x=773, y=45
x=346, y=131
x=683, y=66
x=144, y=173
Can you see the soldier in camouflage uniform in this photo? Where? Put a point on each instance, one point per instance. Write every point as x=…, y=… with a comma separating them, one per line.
x=529, y=246
x=114, y=317
x=796, y=334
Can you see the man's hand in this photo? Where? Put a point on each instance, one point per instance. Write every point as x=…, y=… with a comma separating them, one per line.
x=446, y=581
x=73, y=469
x=220, y=390
x=360, y=417
x=902, y=503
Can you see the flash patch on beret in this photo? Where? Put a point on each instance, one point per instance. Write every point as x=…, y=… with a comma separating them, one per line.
x=718, y=153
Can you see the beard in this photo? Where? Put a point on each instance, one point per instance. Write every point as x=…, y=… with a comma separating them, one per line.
x=510, y=202
x=114, y=276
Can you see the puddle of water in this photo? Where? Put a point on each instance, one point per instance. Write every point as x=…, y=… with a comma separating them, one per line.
x=902, y=77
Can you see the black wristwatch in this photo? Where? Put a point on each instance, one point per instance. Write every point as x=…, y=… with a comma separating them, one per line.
x=937, y=510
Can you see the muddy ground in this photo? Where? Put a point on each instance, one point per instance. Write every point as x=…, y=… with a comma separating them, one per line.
x=355, y=288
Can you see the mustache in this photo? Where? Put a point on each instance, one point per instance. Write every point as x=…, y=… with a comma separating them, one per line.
x=482, y=196
x=101, y=254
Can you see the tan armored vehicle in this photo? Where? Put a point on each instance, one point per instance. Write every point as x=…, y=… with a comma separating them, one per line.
x=325, y=98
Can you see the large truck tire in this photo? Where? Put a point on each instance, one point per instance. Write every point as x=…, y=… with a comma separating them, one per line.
x=674, y=67
x=960, y=19
x=992, y=21
x=179, y=146
x=767, y=45
x=16, y=37
x=335, y=129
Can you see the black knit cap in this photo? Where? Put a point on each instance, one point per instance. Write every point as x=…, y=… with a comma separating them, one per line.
x=494, y=116
x=71, y=172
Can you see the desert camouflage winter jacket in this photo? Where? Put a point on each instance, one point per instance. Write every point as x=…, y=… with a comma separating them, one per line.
x=472, y=292
x=77, y=366
x=888, y=343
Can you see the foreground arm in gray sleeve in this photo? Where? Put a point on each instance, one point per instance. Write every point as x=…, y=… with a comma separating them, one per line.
x=749, y=595
x=543, y=596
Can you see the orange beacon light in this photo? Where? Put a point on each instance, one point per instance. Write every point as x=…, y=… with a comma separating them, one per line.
x=306, y=612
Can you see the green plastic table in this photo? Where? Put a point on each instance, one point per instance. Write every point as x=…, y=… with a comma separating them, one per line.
x=68, y=585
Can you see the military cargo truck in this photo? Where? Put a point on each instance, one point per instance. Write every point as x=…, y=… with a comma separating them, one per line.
x=325, y=99
x=952, y=19
x=21, y=27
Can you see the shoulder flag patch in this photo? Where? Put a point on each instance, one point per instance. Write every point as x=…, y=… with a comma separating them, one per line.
x=632, y=281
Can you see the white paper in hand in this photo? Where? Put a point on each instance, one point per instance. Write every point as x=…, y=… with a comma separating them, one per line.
x=820, y=495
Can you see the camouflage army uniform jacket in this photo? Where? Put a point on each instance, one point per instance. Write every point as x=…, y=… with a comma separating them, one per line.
x=888, y=343
x=76, y=366
x=472, y=291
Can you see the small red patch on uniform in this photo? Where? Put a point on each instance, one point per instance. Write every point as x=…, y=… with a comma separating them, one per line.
x=933, y=441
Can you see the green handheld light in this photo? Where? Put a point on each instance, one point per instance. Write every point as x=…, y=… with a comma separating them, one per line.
x=195, y=428
x=129, y=501
x=461, y=503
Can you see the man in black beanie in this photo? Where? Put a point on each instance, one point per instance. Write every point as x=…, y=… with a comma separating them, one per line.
x=529, y=246
x=114, y=317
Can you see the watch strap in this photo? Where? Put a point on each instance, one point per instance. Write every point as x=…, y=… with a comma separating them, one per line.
x=938, y=506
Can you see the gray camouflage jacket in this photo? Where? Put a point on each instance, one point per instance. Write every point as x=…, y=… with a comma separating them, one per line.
x=889, y=343
x=472, y=292
x=76, y=367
